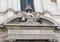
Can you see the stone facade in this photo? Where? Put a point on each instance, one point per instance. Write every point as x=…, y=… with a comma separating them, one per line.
x=41, y=25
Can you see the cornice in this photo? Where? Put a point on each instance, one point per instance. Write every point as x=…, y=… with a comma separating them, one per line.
x=10, y=9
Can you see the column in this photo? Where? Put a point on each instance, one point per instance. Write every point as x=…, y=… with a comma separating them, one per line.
x=10, y=3
x=46, y=5
x=49, y=5
x=19, y=5
x=3, y=5
x=38, y=6
x=15, y=5
x=58, y=4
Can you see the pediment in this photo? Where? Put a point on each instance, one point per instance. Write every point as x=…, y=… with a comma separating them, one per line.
x=31, y=22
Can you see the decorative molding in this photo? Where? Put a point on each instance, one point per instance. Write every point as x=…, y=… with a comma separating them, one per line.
x=46, y=11
x=10, y=9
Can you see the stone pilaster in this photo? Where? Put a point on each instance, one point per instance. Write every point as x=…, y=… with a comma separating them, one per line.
x=58, y=5
x=15, y=5
x=3, y=5
x=46, y=5
x=38, y=6
x=19, y=5
x=10, y=3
